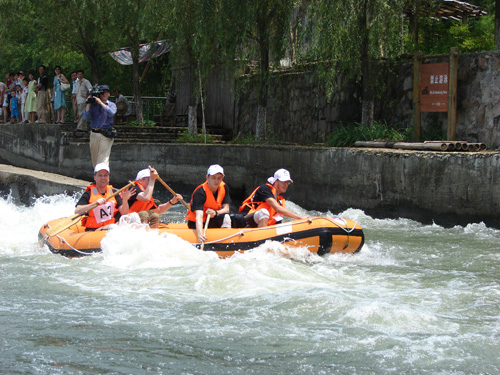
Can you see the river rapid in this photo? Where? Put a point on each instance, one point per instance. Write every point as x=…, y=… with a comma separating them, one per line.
x=417, y=299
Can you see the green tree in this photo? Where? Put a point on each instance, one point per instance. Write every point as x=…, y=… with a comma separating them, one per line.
x=204, y=35
x=229, y=34
x=57, y=27
x=436, y=35
x=134, y=22
x=351, y=35
x=497, y=24
x=265, y=37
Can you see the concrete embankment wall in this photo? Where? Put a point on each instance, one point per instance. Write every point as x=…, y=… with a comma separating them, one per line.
x=448, y=188
x=25, y=185
x=298, y=109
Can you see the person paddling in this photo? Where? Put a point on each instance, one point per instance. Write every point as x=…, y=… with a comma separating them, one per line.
x=109, y=209
x=265, y=206
x=211, y=199
x=142, y=199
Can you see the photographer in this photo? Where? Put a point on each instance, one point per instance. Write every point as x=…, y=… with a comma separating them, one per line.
x=100, y=111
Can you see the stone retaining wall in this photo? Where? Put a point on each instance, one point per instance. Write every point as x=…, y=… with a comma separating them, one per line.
x=448, y=188
x=299, y=112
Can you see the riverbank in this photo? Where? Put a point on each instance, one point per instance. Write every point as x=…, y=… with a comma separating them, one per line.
x=442, y=187
x=25, y=184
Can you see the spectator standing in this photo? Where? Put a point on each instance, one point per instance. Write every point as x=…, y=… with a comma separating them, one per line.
x=14, y=107
x=74, y=79
x=82, y=88
x=30, y=105
x=20, y=77
x=8, y=80
x=119, y=98
x=58, y=95
x=3, y=96
x=100, y=111
x=42, y=96
x=11, y=86
x=24, y=96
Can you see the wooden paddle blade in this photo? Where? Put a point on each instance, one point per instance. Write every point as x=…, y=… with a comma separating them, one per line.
x=63, y=224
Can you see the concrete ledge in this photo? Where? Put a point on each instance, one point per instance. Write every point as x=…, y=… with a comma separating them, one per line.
x=26, y=184
x=447, y=188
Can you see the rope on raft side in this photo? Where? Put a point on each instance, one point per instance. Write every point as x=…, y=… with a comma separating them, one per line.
x=69, y=245
x=47, y=225
x=345, y=229
x=241, y=233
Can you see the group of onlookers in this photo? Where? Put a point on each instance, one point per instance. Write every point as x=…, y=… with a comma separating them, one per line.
x=27, y=100
x=18, y=97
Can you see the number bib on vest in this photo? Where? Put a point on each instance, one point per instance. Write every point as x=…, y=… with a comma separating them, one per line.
x=104, y=212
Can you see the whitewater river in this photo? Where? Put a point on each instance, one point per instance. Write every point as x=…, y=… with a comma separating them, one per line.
x=417, y=299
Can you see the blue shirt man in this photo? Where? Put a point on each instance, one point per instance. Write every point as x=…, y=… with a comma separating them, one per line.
x=100, y=111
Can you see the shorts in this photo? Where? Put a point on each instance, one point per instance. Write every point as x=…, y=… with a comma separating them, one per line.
x=260, y=214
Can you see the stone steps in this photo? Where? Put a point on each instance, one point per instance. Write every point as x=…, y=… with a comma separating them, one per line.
x=146, y=134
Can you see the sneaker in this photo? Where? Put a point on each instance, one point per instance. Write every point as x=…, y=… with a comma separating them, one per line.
x=37, y=122
x=226, y=223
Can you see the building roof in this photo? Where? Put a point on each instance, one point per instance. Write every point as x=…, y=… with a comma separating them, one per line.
x=457, y=10
x=448, y=9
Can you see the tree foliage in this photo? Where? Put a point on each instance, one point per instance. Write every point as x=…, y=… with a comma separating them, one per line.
x=266, y=27
x=351, y=35
x=342, y=37
x=78, y=35
x=438, y=36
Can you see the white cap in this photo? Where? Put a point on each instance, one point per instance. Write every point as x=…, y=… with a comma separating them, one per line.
x=101, y=167
x=143, y=173
x=214, y=169
x=281, y=174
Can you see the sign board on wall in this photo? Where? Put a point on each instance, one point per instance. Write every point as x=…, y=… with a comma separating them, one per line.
x=434, y=87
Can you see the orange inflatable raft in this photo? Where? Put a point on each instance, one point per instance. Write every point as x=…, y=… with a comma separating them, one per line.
x=321, y=235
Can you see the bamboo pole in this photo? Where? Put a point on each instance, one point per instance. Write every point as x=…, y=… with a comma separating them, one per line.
x=422, y=146
x=429, y=146
x=375, y=144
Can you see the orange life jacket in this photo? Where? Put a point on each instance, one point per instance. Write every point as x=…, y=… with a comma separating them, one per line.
x=141, y=205
x=210, y=202
x=274, y=217
x=101, y=215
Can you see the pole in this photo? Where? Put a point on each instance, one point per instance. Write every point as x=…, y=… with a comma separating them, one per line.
x=417, y=125
x=452, y=94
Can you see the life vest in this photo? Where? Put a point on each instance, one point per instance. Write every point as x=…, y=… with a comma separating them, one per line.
x=101, y=215
x=138, y=205
x=210, y=202
x=274, y=217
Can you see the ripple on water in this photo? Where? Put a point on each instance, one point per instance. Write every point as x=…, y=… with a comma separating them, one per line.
x=416, y=299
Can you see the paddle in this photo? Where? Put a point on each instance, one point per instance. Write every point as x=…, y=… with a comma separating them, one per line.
x=72, y=220
x=205, y=232
x=170, y=190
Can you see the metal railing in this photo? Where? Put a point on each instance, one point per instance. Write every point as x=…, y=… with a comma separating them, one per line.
x=152, y=106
